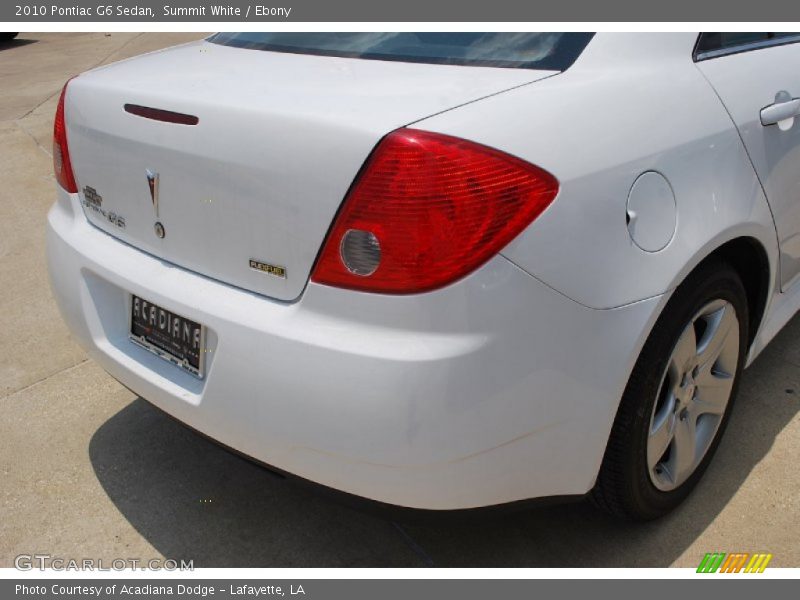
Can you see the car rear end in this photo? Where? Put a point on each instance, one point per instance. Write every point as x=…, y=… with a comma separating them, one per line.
x=263, y=240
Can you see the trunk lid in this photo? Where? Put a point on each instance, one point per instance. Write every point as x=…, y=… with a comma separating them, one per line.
x=279, y=139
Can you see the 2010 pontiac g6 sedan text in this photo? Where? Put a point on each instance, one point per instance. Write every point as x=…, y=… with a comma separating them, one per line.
x=439, y=270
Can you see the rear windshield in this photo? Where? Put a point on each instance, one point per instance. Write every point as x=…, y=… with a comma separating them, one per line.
x=548, y=51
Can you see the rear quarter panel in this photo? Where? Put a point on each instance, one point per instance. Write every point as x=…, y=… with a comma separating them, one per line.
x=632, y=103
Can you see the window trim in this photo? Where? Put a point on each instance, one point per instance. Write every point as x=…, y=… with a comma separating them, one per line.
x=547, y=64
x=739, y=48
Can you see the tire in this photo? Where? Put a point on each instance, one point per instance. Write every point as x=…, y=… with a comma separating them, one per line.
x=5, y=37
x=635, y=482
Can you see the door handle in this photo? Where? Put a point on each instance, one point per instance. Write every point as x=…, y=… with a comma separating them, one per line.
x=785, y=108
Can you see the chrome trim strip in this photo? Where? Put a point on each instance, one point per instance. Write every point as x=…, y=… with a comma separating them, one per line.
x=781, y=41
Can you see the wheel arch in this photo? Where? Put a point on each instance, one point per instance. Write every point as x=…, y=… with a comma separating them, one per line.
x=750, y=260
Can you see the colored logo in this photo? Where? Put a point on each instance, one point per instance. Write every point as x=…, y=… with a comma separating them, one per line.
x=152, y=182
x=737, y=562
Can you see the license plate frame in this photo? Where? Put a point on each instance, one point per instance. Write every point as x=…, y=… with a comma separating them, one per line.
x=174, y=349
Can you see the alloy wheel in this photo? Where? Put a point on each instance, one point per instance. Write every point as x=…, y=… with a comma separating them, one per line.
x=694, y=395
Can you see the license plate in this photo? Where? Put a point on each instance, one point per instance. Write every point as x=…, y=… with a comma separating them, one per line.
x=172, y=337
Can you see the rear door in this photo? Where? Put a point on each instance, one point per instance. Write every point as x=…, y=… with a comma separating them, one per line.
x=757, y=77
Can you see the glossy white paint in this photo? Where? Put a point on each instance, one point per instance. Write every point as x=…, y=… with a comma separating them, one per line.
x=452, y=399
x=279, y=140
x=500, y=387
x=774, y=149
x=625, y=112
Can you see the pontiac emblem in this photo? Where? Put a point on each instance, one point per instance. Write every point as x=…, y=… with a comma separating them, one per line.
x=152, y=181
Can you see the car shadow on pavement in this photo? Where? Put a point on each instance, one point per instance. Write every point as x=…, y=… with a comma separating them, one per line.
x=191, y=499
x=15, y=43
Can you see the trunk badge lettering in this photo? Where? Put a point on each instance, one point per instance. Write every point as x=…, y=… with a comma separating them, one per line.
x=94, y=202
x=274, y=270
x=92, y=197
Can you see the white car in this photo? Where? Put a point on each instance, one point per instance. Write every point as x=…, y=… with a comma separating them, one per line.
x=439, y=270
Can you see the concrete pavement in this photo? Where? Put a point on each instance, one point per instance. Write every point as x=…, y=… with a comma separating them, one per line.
x=89, y=470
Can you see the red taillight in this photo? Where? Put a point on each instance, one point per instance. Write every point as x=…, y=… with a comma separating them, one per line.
x=61, y=163
x=427, y=210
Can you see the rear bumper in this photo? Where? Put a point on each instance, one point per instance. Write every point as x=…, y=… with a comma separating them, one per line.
x=493, y=390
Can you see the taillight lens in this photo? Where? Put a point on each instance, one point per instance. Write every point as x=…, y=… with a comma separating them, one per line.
x=61, y=163
x=427, y=210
